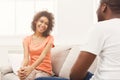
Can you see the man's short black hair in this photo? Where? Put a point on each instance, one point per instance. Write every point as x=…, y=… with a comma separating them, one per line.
x=113, y=4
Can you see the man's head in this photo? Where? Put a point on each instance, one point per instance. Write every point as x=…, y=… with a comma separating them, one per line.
x=108, y=9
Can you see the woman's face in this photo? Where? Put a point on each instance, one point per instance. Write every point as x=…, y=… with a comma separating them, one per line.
x=42, y=24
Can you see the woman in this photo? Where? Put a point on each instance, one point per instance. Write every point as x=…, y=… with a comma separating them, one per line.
x=37, y=58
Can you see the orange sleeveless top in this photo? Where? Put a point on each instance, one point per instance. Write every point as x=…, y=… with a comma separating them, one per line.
x=36, y=50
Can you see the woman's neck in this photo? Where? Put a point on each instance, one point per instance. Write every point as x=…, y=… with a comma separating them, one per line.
x=37, y=35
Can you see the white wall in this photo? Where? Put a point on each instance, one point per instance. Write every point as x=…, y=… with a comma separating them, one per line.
x=74, y=19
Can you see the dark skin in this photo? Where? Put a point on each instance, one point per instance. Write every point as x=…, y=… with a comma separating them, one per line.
x=83, y=62
x=85, y=59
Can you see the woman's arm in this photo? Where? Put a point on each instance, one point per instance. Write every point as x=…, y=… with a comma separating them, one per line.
x=21, y=71
x=26, y=55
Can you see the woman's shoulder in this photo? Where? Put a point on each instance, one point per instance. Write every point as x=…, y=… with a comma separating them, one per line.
x=51, y=40
x=27, y=38
x=50, y=37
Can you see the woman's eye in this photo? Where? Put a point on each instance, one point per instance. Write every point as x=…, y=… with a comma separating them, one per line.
x=46, y=24
x=42, y=21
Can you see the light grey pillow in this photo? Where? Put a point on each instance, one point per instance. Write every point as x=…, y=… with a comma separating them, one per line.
x=5, y=69
x=70, y=59
x=59, y=54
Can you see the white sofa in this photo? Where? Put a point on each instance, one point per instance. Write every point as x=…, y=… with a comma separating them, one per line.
x=63, y=57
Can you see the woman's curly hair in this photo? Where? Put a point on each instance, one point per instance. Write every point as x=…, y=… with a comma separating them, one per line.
x=50, y=23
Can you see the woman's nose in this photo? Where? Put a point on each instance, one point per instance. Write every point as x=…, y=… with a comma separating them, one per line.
x=43, y=24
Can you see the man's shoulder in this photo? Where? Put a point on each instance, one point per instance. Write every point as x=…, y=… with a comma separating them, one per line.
x=109, y=22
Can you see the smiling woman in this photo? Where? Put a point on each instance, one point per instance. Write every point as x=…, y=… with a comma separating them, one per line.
x=37, y=48
x=21, y=12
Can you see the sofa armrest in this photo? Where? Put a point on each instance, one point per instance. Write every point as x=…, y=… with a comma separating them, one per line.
x=5, y=69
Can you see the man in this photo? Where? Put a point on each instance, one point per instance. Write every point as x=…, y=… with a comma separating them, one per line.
x=103, y=41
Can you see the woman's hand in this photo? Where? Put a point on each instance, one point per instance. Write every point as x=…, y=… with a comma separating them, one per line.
x=28, y=70
x=22, y=73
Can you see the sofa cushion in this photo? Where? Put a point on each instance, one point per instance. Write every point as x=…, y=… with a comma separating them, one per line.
x=10, y=76
x=5, y=69
x=59, y=54
x=15, y=59
x=3, y=56
x=71, y=58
